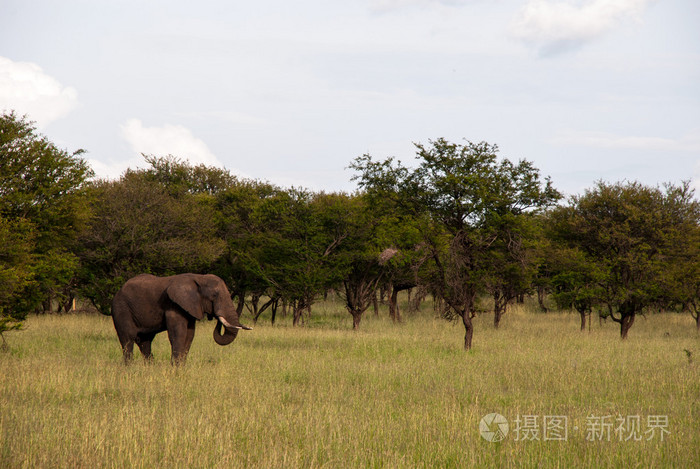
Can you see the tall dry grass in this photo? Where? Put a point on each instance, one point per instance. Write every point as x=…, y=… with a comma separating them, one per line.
x=390, y=395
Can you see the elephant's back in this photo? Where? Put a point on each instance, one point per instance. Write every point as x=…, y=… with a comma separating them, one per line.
x=144, y=289
x=139, y=304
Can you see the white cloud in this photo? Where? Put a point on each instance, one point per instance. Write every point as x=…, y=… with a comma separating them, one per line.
x=175, y=140
x=687, y=143
x=555, y=26
x=26, y=89
x=114, y=169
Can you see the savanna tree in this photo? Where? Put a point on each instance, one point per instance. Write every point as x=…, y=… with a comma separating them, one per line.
x=634, y=238
x=43, y=209
x=297, y=247
x=681, y=282
x=405, y=258
x=357, y=255
x=466, y=192
x=244, y=227
x=512, y=260
x=576, y=281
x=142, y=226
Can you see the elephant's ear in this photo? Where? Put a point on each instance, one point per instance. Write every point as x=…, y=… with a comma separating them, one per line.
x=185, y=293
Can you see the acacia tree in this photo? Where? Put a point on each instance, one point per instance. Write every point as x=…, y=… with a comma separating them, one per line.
x=141, y=226
x=42, y=197
x=357, y=255
x=685, y=276
x=296, y=249
x=681, y=282
x=576, y=280
x=633, y=234
x=400, y=236
x=512, y=260
x=244, y=230
x=461, y=189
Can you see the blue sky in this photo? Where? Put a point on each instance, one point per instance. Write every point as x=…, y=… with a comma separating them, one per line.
x=292, y=92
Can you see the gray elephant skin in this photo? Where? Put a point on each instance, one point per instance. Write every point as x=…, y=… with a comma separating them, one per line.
x=147, y=305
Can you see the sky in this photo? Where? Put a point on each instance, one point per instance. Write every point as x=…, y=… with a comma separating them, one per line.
x=291, y=92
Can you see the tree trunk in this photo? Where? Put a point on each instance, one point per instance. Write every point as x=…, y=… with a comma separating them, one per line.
x=375, y=304
x=394, y=312
x=258, y=312
x=540, y=298
x=382, y=293
x=468, y=328
x=414, y=305
x=497, y=313
x=254, y=302
x=499, y=308
x=626, y=324
x=356, y=318
x=298, y=311
x=583, y=320
x=437, y=305
x=274, y=312
x=69, y=304
x=241, y=305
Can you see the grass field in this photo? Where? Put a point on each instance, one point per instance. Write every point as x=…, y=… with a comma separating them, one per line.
x=390, y=395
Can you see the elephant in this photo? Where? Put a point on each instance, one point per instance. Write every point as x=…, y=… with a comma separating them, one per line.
x=147, y=305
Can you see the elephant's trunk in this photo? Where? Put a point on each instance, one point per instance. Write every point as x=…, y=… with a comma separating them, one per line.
x=227, y=337
x=230, y=331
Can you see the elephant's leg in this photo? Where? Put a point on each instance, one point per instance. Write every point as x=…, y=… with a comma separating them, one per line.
x=127, y=343
x=127, y=350
x=190, y=334
x=180, y=334
x=144, y=343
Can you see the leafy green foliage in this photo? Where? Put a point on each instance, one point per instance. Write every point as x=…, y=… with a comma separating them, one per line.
x=630, y=241
x=42, y=209
x=180, y=177
x=461, y=223
x=16, y=274
x=243, y=231
x=297, y=257
x=474, y=201
x=138, y=226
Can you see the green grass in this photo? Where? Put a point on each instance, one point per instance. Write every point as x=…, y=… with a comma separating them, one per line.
x=390, y=395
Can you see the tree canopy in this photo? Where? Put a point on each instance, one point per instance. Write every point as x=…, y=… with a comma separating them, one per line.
x=473, y=200
x=632, y=242
x=42, y=209
x=461, y=223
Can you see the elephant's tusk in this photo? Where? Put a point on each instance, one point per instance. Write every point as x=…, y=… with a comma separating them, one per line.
x=225, y=322
x=228, y=325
